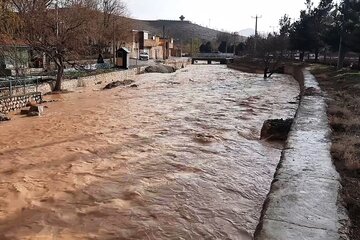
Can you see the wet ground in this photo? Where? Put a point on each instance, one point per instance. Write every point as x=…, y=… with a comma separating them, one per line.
x=176, y=158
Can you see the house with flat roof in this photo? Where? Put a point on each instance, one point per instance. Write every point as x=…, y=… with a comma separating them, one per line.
x=155, y=46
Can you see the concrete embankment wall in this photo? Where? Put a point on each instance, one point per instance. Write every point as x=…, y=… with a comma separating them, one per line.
x=304, y=200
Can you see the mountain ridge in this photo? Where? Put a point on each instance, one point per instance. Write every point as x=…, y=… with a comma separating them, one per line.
x=179, y=30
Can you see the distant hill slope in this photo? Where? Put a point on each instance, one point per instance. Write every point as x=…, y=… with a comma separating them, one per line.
x=247, y=32
x=184, y=30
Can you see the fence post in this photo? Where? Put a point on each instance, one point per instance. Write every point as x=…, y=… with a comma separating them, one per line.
x=24, y=90
x=37, y=84
x=10, y=87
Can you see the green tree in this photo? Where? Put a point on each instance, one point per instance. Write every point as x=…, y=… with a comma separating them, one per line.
x=353, y=42
x=349, y=12
x=307, y=34
x=240, y=48
x=223, y=47
x=285, y=25
x=224, y=39
x=206, y=47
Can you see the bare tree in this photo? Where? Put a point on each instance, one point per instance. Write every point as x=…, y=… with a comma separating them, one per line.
x=269, y=54
x=10, y=51
x=110, y=25
x=60, y=29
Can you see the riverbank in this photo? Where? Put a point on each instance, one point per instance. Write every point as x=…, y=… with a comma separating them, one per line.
x=343, y=101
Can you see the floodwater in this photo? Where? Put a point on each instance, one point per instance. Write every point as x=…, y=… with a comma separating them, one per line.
x=176, y=158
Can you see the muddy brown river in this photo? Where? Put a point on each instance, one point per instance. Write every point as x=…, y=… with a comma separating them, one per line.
x=179, y=157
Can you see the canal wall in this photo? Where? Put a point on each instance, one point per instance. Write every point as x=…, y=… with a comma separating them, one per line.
x=304, y=201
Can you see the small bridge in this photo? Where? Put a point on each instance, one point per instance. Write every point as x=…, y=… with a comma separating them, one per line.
x=223, y=58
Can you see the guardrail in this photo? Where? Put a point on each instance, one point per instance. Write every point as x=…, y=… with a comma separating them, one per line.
x=10, y=86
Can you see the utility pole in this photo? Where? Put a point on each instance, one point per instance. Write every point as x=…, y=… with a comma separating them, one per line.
x=192, y=45
x=341, y=53
x=181, y=48
x=256, y=31
x=234, y=50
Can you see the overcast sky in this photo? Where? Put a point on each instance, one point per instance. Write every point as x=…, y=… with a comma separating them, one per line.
x=230, y=15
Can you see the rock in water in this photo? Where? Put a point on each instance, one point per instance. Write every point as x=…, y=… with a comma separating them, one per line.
x=160, y=69
x=35, y=111
x=118, y=84
x=4, y=117
x=276, y=129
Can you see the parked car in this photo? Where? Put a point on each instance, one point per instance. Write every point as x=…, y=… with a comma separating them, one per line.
x=144, y=56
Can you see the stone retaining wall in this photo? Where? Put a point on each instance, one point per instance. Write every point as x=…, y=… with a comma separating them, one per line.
x=72, y=84
x=304, y=201
x=8, y=104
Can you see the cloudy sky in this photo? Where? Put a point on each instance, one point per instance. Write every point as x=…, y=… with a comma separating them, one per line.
x=230, y=15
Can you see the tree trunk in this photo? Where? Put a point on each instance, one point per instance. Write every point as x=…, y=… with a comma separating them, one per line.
x=359, y=63
x=316, y=56
x=341, y=58
x=59, y=75
x=302, y=54
x=341, y=55
x=266, y=69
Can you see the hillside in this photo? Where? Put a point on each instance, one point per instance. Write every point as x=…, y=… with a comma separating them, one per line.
x=184, y=30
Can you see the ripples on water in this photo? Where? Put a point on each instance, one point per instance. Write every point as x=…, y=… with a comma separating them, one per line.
x=177, y=158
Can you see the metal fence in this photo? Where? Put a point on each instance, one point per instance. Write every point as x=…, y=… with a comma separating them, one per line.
x=12, y=86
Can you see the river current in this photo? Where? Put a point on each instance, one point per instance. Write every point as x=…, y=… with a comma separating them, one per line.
x=179, y=157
